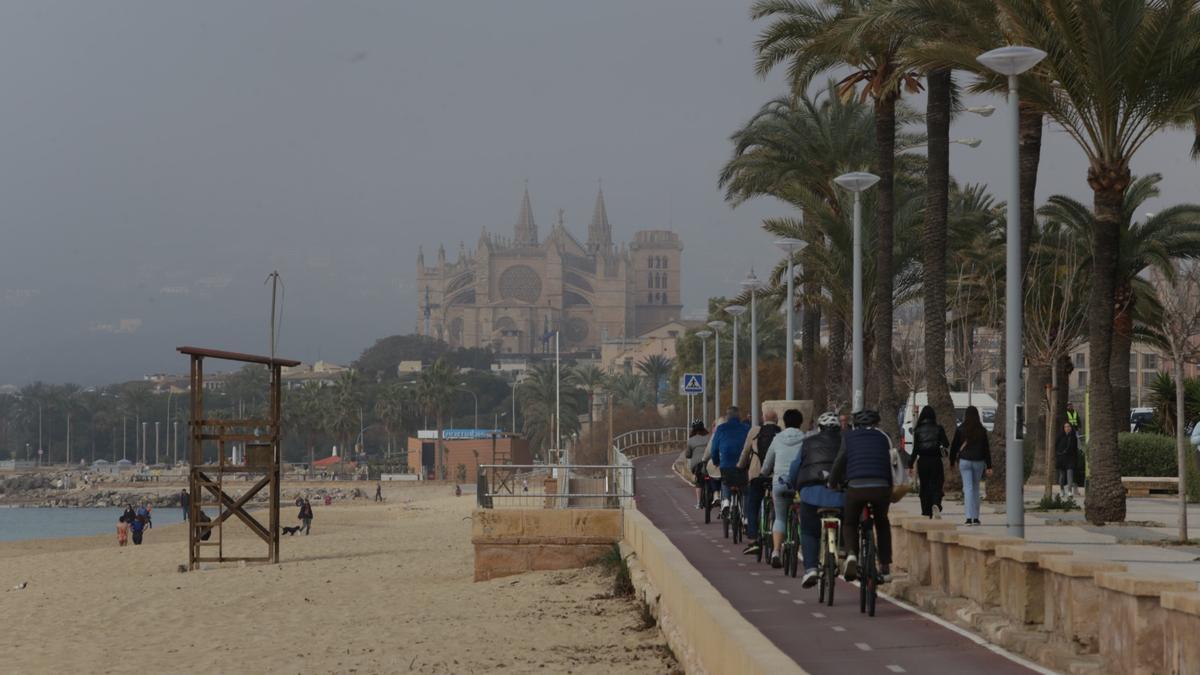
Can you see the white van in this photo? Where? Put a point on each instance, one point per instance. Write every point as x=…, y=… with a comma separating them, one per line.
x=912, y=407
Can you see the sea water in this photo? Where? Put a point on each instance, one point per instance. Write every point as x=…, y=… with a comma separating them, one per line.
x=17, y=524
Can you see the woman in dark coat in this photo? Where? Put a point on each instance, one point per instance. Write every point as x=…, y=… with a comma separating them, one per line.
x=929, y=440
x=1066, y=454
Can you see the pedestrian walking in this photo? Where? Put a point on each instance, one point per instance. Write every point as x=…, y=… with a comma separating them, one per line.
x=929, y=446
x=122, y=531
x=306, y=516
x=969, y=451
x=185, y=501
x=138, y=526
x=379, y=491
x=1066, y=454
x=696, y=442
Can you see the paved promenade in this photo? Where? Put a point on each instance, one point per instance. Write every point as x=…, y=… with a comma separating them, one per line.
x=820, y=639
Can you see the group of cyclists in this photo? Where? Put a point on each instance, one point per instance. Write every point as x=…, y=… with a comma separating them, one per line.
x=844, y=469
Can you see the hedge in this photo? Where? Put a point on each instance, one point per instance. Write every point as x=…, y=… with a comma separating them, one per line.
x=1145, y=454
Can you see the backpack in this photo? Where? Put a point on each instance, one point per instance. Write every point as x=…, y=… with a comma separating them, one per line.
x=762, y=443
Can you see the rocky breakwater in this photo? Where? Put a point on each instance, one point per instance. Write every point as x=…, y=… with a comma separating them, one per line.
x=40, y=490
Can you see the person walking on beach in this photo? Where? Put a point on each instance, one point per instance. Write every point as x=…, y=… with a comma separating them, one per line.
x=970, y=452
x=138, y=526
x=306, y=516
x=929, y=441
x=129, y=514
x=122, y=531
x=185, y=500
x=379, y=491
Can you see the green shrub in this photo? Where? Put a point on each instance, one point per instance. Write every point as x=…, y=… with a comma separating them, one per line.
x=1146, y=455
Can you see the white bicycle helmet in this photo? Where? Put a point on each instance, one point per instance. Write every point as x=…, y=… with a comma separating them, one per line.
x=828, y=420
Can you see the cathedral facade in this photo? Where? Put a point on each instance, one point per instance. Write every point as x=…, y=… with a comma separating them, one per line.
x=511, y=294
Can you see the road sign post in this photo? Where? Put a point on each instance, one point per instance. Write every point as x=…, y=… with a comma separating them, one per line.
x=691, y=384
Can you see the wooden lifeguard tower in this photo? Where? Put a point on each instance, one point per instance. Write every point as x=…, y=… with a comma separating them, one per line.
x=206, y=482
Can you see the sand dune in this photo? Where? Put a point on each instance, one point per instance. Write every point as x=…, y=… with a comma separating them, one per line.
x=375, y=589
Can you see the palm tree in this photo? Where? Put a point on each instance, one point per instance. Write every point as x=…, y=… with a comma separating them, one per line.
x=341, y=411
x=389, y=408
x=538, y=395
x=435, y=392
x=304, y=412
x=827, y=35
x=589, y=378
x=1116, y=72
x=1170, y=234
x=656, y=368
x=630, y=391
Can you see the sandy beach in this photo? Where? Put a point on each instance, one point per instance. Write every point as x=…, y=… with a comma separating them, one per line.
x=374, y=589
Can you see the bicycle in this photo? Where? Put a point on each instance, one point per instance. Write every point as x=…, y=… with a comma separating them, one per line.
x=733, y=519
x=766, y=522
x=789, y=548
x=831, y=524
x=712, y=488
x=869, y=576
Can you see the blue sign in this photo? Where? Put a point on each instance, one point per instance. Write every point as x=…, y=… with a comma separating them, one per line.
x=693, y=383
x=468, y=434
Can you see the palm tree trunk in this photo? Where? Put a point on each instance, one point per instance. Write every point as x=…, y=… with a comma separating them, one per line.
x=811, y=325
x=835, y=376
x=934, y=236
x=1180, y=445
x=1038, y=377
x=439, y=468
x=1105, y=500
x=885, y=140
x=1122, y=336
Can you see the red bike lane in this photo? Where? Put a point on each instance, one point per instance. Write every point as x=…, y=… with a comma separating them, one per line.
x=821, y=639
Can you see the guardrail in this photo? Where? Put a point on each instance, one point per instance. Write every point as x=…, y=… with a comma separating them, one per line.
x=643, y=442
x=556, y=486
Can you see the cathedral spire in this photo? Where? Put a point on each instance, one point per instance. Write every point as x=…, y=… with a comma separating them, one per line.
x=526, y=230
x=599, y=231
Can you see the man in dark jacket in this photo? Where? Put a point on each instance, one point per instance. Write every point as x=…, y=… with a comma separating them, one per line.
x=808, y=474
x=184, y=500
x=757, y=443
x=728, y=439
x=864, y=466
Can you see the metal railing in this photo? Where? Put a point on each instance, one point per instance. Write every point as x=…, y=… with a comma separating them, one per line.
x=642, y=442
x=556, y=486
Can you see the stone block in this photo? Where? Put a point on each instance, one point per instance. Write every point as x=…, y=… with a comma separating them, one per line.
x=939, y=542
x=598, y=523
x=1073, y=601
x=1133, y=623
x=491, y=524
x=980, y=575
x=955, y=569
x=1181, y=625
x=564, y=556
x=899, y=542
x=1022, y=582
x=498, y=560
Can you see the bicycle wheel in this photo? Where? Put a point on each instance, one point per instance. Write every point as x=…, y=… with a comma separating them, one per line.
x=765, y=541
x=794, y=537
x=707, y=492
x=866, y=566
x=831, y=574
x=735, y=517
x=871, y=581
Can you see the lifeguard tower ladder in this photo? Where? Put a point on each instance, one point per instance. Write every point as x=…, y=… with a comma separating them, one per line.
x=206, y=482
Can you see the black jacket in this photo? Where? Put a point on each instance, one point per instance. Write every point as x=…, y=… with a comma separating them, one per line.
x=971, y=451
x=1066, y=451
x=816, y=458
x=928, y=440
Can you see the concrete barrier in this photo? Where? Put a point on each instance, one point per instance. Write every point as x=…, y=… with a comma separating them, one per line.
x=703, y=629
x=513, y=541
x=1073, y=608
x=981, y=568
x=940, y=541
x=1181, y=649
x=1132, y=624
x=1022, y=582
x=916, y=546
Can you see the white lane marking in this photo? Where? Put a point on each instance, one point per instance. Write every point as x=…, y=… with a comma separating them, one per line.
x=798, y=601
x=741, y=564
x=754, y=574
x=838, y=629
x=863, y=646
x=818, y=615
x=785, y=591
x=896, y=669
x=768, y=582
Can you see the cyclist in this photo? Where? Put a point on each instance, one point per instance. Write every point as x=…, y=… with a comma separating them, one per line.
x=757, y=444
x=724, y=449
x=783, y=450
x=808, y=474
x=696, y=442
x=864, y=465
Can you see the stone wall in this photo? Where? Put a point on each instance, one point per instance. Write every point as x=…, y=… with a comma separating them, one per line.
x=1068, y=612
x=513, y=541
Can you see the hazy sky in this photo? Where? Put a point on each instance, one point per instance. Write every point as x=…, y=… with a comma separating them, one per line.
x=159, y=158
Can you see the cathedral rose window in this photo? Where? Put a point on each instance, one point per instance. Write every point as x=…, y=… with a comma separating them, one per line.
x=520, y=282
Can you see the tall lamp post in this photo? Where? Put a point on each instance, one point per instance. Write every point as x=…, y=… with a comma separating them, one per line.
x=736, y=311
x=1012, y=61
x=464, y=388
x=704, y=335
x=790, y=246
x=752, y=284
x=856, y=182
x=717, y=326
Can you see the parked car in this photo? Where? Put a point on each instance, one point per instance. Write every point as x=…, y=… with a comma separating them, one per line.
x=1139, y=418
x=986, y=404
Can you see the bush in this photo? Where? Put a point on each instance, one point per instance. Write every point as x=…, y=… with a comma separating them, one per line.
x=1146, y=455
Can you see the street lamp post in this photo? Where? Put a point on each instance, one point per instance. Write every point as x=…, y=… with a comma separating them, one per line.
x=752, y=284
x=704, y=335
x=1011, y=61
x=464, y=384
x=856, y=182
x=790, y=246
x=736, y=311
x=717, y=326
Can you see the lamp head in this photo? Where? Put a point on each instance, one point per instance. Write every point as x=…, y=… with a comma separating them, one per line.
x=1011, y=60
x=704, y=334
x=751, y=282
x=790, y=245
x=856, y=181
x=735, y=310
x=717, y=325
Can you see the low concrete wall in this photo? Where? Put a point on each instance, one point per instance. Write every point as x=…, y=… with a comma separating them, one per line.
x=704, y=630
x=513, y=541
x=1133, y=621
x=1181, y=649
x=1022, y=581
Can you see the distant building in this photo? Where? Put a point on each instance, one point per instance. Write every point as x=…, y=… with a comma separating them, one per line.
x=322, y=373
x=617, y=355
x=470, y=452
x=409, y=367
x=510, y=293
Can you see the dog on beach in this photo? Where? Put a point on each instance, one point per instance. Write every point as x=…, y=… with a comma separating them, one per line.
x=291, y=531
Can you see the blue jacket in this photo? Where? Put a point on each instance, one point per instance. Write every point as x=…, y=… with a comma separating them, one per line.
x=865, y=459
x=727, y=443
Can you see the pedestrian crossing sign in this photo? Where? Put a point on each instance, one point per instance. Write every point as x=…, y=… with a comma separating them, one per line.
x=692, y=383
